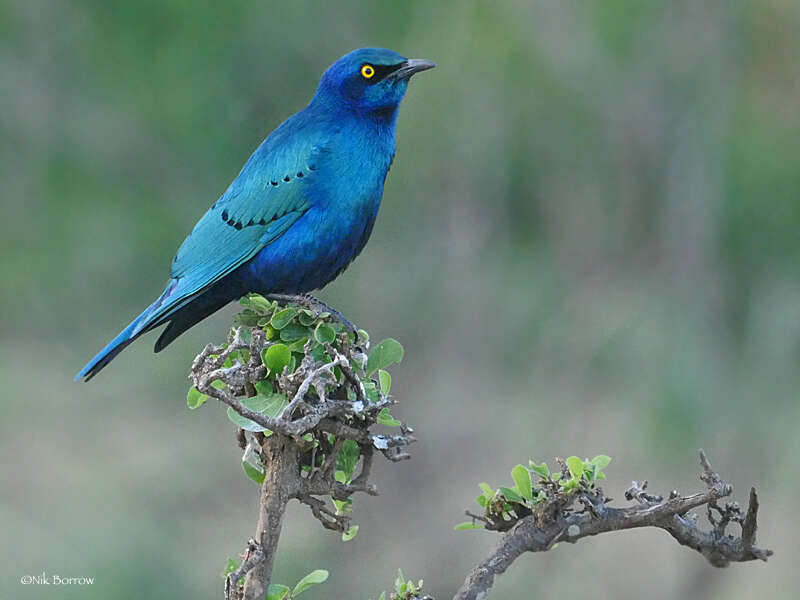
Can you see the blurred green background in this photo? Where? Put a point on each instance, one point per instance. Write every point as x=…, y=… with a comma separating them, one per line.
x=588, y=243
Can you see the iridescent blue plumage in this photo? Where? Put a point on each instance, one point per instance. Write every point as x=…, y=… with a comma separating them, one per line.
x=300, y=210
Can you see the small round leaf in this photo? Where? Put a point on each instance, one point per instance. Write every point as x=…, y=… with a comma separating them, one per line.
x=324, y=334
x=276, y=357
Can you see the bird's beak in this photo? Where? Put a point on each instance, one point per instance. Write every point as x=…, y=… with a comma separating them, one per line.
x=411, y=66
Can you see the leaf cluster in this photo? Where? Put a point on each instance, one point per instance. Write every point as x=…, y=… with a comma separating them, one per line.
x=299, y=362
x=289, y=330
x=534, y=486
x=292, y=333
x=405, y=589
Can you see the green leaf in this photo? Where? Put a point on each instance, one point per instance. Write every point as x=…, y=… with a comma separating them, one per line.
x=372, y=391
x=575, y=466
x=314, y=578
x=522, y=477
x=543, y=470
x=277, y=591
x=385, y=381
x=601, y=461
x=486, y=489
x=350, y=533
x=569, y=484
x=348, y=458
x=283, y=317
x=294, y=331
x=264, y=387
x=400, y=583
x=253, y=473
x=230, y=567
x=318, y=352
x=270, y=405
x=387, y=352
x=324, y=334
x=260, y=303
x=384, y=418
x=468, y=525
x=511, y=495
x=247, y=317
x=343, y=507
x=306, y=317
x=298, y=345
x=276, y=357
x=482, y=501
x=195, y=398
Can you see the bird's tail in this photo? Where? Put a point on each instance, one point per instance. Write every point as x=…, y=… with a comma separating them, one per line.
x=141, y=324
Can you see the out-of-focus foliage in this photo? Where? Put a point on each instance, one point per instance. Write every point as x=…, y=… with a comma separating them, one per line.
x=589, y=238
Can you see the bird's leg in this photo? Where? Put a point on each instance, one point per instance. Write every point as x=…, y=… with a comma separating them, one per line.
x=318, y=306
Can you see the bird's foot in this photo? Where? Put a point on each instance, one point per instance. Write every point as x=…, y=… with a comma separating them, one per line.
x=318, y=306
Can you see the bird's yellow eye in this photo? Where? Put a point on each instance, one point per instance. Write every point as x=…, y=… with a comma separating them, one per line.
x=367, y=71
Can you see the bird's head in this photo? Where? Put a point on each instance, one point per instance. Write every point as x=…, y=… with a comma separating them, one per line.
x=369, y=80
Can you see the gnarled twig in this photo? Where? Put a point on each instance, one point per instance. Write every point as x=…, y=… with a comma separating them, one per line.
x=539, y=531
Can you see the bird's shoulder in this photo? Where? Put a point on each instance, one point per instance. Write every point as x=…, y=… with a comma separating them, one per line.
x=273, y=189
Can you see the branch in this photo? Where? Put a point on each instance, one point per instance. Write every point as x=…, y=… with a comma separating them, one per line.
x=556, y=521
x=314, y=444
x=279, y=487
x=252, y=557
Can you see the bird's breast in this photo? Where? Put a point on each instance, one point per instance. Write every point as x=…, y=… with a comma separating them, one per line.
x=344, y=194
x=326, y=238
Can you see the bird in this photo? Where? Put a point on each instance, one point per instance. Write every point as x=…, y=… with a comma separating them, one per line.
x=300, y=210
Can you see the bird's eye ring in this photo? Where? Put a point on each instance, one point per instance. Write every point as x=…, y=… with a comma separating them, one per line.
x=367, y=71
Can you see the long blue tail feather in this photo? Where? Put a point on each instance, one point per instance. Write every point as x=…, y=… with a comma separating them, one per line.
x=141, y=324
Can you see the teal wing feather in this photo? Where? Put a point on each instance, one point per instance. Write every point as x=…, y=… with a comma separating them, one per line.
x=218, y=245
x=272, y=191
x=267, y=197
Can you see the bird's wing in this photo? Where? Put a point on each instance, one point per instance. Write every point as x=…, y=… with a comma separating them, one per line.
x=273, y=190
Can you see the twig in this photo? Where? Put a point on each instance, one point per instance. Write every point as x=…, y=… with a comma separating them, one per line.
x=253, y=555
x=535, y=534
x=319, y=407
